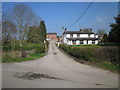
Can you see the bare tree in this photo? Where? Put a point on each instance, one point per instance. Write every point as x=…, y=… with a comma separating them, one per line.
x=101, y=32
x=23, y=17
x=8, y=28
x=8, y=34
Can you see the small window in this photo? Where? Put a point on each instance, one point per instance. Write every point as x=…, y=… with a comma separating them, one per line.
x=81, y=42
x=78, y=35
x=74, y=41
x=93, y=42
x=88, y=35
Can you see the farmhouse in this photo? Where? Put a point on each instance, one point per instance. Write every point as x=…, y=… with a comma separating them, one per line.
x=51, y=36
x=82, y=37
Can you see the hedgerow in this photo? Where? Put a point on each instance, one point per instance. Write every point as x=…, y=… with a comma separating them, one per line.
x=109, y=54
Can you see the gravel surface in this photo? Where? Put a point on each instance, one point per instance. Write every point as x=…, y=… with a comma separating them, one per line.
x=67, y=73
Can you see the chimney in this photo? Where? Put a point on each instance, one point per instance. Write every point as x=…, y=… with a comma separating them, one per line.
x=65, y=29
x=80, y=29
x=90, y=30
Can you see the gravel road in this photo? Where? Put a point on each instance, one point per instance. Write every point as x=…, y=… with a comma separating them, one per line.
x=56, y=70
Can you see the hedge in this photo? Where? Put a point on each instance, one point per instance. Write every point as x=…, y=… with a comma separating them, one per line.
x=109, y=54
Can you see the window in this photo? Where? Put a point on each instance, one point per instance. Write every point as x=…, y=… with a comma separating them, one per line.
x=78, y=35
x=81, y=42
x=93, y=42
x=88, y=35
x=74, y=41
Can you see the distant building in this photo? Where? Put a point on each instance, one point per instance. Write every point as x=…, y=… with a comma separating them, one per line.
x=51, y=36
x=59, y=38
x=82, y=37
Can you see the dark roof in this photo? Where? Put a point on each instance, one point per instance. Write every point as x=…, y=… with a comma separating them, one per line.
x=82, y=38
x=51, y=33
x=78, y=32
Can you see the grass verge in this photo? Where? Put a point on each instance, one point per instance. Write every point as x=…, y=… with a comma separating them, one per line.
x=109, y=66
x=7, y=58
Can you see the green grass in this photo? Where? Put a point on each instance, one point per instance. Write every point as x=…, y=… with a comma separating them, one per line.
x=109, y=66
x=21, y=59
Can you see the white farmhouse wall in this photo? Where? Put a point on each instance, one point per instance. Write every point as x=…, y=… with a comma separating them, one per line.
x=84, y=35
x=77, y=42
x=85, y=42
x=92, y=35
x=96, y=36
x=65, y=39
x=89, y=41
x=69, y=42
x=96, y=41
x=68, y=35
x=75, y=35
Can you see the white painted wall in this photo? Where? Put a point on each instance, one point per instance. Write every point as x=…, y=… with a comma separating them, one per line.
x=69, y=42
x=65, y=39
x=77, y=42
x=84, y=41
x=84, y=35
x=68, y=35
x=96, y=41
x=96, y=36
x=75, y=35
x=89, y=41
x=92, y=35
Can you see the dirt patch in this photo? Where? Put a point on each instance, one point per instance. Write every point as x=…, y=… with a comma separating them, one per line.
x=33, y=75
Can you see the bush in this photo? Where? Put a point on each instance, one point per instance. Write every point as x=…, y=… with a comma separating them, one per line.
x=101, y=54
x=7, y=47
x=40, y=49
x=85, y=53
x=108, y=54
x=7, y=58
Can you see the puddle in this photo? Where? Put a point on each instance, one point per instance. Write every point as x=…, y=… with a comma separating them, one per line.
x=54, y=53
x=32, y=76
x=98, y=84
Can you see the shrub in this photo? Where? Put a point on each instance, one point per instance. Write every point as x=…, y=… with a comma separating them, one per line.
x=40, y=49
x=7, y=58
x=79, y=52
x=7, y=47
x=108, y=54
x=101, y=54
